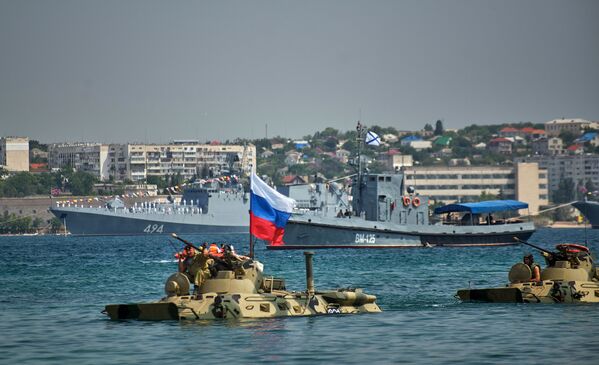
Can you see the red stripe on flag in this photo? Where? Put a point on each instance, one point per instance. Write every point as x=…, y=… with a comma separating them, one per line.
x=266, y=230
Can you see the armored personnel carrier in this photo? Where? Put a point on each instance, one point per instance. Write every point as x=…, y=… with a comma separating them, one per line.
x=244, y=291
x=570, y=277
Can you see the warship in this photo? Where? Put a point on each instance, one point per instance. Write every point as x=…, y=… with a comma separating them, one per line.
x=201, y=209
x=590, y=210
x=570, y=277
x=240, y=289
x=385, y=212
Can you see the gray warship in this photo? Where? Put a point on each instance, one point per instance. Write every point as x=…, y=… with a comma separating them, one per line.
x=590, y=210
x=202, y=209
x=384, y=212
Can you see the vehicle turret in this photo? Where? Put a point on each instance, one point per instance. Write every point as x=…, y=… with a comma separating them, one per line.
x=238, y=288
x=569, y=277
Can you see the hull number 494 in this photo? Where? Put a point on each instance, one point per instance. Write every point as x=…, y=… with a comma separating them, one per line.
x=154, y=228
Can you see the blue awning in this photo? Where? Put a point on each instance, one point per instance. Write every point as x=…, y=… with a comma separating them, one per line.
x=489, y=206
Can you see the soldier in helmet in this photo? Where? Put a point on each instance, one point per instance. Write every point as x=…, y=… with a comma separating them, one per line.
x=535, y=269
x=199, y=270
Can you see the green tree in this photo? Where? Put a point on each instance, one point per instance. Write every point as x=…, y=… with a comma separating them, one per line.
x=565, y=191
x=567, y=137
x=438, y=128
x=428, y=127
x=81, y=183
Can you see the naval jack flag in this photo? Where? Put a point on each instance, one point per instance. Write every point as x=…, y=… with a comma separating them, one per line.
x=372, y=139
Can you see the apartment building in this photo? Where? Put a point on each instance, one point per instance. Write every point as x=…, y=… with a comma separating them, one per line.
x=81, y=156
x=582, y=167
x=557, y=126
x=523, y=181
x=14, y=153
x=188, y=159
x=137, y=162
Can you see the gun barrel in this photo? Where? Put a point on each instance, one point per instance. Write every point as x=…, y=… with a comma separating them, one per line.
x=533, y=246
x=185, y=241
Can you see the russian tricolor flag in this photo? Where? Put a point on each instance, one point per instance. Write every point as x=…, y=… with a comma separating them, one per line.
x=269, y=211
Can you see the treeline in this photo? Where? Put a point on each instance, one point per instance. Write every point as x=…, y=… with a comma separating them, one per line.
x=23, y=184
x=13, y=224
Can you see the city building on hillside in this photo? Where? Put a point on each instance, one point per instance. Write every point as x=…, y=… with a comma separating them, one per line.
x=531, y=134
x=294, y=180
x=293, y=158
x=394, y=160
x=277, y=146
x=421, y=145
x=301, y=144
x=575, y=149
x=523, y=181
x=589, y=137
x=443, y=141
x=390, y=138
x=555, y=127
x=342, y=155
x=583, y=168
x=14, y=153
x=500, y=145
x=267, y=154
x=510, y=132
x=406, y=141
x=548, y=146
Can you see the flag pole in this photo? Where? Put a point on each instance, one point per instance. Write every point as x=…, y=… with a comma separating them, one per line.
x=251, y=254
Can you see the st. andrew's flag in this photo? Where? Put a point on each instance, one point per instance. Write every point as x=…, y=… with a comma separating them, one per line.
x=269, y=211
x=373, y=139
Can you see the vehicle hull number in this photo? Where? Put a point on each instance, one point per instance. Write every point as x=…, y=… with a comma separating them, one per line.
x=154, y=228
x=365, y=238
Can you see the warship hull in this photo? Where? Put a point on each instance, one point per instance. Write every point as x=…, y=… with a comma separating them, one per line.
x=590, y=210
x=314, y=232
x=99, y=222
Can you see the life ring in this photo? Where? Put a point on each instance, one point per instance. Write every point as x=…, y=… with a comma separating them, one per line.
x=416, y=201
x=572, y=248
x=406, y=201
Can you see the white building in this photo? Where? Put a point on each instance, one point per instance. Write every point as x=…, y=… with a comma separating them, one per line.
x=14, y=153
x=524, y=181
x=86, y=157
x=583, y=167
x=557, y=126
x=137, y=162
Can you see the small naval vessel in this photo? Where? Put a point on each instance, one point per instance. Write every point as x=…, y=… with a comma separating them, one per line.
x=570, y=277
x=385, y=212
x=240, y=289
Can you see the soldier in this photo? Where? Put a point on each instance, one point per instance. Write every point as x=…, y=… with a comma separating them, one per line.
x=185, y=258
x=199, y=270
x=535, y=269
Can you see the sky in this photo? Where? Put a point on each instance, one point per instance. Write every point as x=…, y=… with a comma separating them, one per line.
x=155, y=71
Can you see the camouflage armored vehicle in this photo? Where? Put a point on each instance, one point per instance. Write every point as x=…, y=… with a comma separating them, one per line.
x=242, y=290
x=570, y=277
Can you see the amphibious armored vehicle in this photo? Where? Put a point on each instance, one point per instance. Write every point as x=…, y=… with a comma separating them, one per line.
x=570, y=277
x=244, y=291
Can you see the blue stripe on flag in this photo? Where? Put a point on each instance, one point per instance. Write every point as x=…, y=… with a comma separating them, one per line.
x=261, y=208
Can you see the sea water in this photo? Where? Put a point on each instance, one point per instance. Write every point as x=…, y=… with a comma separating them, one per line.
x=53, y=288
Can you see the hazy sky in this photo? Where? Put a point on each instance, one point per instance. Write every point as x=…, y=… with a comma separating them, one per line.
x=153, y=71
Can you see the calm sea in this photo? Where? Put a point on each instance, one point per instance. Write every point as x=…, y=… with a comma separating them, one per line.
x=52, y=290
